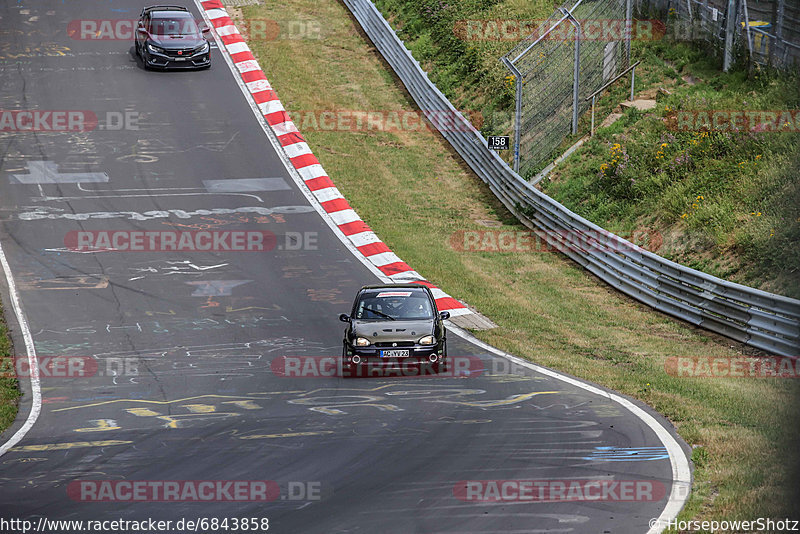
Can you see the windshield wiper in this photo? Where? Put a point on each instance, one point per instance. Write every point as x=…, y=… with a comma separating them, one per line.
x=376, y=312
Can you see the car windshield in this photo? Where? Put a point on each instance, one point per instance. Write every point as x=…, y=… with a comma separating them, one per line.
x=173, y=26
x=394, y=305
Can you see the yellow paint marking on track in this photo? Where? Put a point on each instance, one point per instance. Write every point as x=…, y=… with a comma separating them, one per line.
x=173, y=421
x=244, y=404
x=505, y=402
x=100, y=425
x=116, y=401
x=199, y=408
x=288, y=435
x=142, y=412
x=72, y=445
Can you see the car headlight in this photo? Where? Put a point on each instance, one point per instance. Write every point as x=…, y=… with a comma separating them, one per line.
x=427, y=340
x=362, y=342
x=203, y=48
x=155, y=49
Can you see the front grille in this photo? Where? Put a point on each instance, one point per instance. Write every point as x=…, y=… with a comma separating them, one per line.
x=186, y=52
x=394, y=344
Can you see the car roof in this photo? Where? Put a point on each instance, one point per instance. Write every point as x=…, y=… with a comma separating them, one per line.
x=171, y=14
x=417, y=288
x=165, y=9
x=395, y=286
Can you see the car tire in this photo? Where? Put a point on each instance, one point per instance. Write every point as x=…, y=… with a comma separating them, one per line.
x=441, y=365
x=347, y=367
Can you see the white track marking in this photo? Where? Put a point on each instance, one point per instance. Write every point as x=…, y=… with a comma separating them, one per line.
x=36, y=389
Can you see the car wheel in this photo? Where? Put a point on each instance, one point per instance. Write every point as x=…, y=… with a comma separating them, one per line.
x=441, y=365
x=136, y=48
x=348, y=369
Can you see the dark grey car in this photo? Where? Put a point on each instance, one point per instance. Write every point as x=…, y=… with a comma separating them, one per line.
x=394, y=325
x=167, y=37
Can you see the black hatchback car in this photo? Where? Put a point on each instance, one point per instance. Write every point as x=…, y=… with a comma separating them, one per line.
x=167, y=37
x=393, y=325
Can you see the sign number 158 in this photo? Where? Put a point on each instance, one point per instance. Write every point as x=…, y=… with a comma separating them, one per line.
x=497, y=142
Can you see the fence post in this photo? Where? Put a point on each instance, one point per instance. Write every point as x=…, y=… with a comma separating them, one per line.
x=778, y=43
x=518, y=109
x=747, y=31
x=730, y=27
x=577, y=74
x=628, y=31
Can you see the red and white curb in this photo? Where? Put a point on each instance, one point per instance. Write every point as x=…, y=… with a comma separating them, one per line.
x=314, y=176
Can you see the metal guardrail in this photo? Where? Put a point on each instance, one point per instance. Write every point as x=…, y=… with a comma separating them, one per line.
x=764, y=320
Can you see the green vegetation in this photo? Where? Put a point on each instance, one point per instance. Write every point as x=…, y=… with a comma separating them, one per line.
x=9, y=390
x=416, y=194
x=724, y=202
x=464, y=62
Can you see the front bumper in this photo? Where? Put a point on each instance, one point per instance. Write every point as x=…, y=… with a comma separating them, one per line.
x=162, y=61
x=417, y=354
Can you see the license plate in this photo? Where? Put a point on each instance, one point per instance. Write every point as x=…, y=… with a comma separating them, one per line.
x=180, y=59
x=396, y=353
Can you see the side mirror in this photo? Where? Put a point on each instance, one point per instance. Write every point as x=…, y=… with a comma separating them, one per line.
x=444, y=315
x=344, y=318
x=204, y=28
x=141, y=31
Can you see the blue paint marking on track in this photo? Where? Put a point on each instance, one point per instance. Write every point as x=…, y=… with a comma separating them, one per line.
x=622, y=454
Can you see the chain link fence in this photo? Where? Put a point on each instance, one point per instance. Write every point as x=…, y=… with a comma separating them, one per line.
x=586, y=43
x=583, y=45
x=771, y=38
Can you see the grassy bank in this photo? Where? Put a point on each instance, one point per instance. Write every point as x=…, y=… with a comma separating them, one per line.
x=9, y=389
x=416, y=193
x=726, y=203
